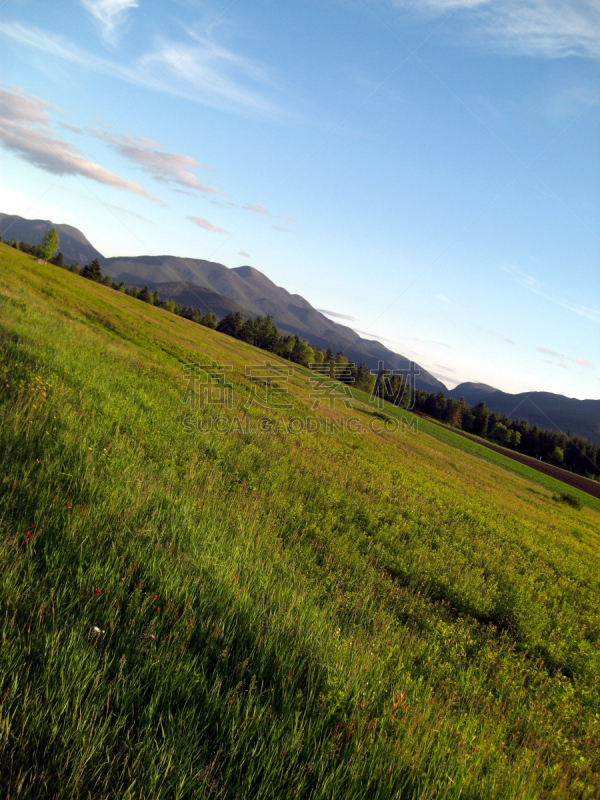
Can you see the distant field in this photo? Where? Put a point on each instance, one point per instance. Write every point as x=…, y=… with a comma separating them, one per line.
x=266, y=614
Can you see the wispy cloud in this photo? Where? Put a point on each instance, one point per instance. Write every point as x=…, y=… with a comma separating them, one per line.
x=536, y=286
x=508, y=340
x=583, y=362
x=203, y=71
x=244, y=253
x=127, y=211
x=25, y=130
x=548, y=352
x=279, y=228
x=196, y=69
x=109, y=15
x=548, y=28
x=168, y=168
x=72, y=128
x=336, y=314
x=257, y=209
x=208, y=226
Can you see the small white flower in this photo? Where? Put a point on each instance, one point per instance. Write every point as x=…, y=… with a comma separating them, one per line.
x=96, y=629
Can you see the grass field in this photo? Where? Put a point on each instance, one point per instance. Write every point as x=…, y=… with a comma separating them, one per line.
x=268, y=614
x=469, y=445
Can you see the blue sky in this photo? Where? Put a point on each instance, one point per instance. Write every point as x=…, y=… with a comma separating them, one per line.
x=427, y=172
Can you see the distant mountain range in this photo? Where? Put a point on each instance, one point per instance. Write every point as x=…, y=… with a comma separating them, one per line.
x=207, y=285
x=551, y=411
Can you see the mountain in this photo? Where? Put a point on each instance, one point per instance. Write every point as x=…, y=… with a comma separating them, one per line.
x=472, y=392
x=545, y=409
x=189, y=294
x=251, y=290
x=72, y=243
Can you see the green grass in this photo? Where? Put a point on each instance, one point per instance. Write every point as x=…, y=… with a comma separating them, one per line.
x=278, y=615
x=447, y=435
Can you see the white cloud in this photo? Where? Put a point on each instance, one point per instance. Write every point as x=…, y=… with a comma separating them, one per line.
x=583, y=362
x=244, y=253
x=109, y=15
x=168, y=168
x=208, y=226
x=201, y=70
x=25, y=130
x=196, y=69
x=549, y=28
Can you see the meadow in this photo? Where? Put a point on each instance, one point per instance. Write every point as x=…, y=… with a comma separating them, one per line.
x=265, y=614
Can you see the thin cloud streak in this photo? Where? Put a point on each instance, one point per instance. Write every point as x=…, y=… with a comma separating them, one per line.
x=257, y=209
x=548, y=352
x=204, y=223
x=536, y=286
x=546, y=28
x=337, y=315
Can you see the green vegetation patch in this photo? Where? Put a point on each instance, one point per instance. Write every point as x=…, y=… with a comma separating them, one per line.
x=266, y=614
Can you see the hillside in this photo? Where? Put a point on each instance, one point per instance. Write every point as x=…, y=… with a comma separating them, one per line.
x=256, y=293
x=231, y=602
x=545, y=409
x=190, y=294
x=73, y=244
x=243, y=289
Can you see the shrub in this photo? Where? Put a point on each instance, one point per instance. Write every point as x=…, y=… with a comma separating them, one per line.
x=569, y=498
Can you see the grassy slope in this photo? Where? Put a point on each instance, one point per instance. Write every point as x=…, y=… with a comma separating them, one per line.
x=446, y=434
x=282, y=615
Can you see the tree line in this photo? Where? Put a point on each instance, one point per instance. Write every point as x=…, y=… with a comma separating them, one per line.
x=565, y=450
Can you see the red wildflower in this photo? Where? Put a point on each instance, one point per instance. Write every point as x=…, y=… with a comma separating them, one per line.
x=97, y=591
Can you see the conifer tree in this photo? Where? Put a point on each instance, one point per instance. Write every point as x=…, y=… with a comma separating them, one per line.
x=92, y=271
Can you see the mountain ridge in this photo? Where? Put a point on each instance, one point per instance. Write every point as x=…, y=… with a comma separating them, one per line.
x=547, y=410
x=208, y=285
